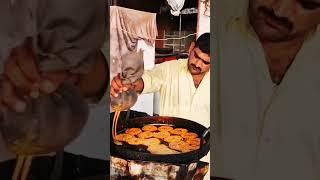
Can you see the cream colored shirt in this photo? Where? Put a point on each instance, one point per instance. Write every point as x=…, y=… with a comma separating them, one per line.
x=263, y=131
x=178, y=95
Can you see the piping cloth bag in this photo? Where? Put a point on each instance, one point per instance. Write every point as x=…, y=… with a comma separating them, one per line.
x=132, y=67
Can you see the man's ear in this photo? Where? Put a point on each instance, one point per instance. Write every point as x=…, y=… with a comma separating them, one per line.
x=192, y=45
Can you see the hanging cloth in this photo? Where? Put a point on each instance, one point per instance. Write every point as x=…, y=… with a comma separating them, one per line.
x=176, y=6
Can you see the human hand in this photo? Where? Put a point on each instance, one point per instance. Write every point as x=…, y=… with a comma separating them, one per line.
x=22, y=78
x=117, y=86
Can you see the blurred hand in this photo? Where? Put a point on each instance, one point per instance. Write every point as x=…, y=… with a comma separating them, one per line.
x=117, y=87
x=22, y=78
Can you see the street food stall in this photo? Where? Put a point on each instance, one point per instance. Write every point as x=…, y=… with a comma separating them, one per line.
x=143, y=144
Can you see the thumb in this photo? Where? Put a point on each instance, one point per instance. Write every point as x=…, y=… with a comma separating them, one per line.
x=51, y=81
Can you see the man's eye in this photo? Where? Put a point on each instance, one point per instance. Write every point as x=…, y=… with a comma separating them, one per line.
x=309, y=5
x=206, y=63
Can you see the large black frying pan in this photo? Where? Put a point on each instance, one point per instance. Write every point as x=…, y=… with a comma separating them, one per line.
x=133, y=153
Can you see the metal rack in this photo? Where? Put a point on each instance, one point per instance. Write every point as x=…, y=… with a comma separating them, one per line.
x=181, y=44
x=185, y=11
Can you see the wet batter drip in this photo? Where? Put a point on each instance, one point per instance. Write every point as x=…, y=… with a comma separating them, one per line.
x=117, y=110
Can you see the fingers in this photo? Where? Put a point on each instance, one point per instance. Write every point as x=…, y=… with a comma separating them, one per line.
x=24, y=78
x=9, y=98
x=116, y=86
x=127, y=87
x=16, y=76
x=22, y=71
x=113, y=93
x=118, y=83
x=51, y=81
x=123, y=87
x=27, y=64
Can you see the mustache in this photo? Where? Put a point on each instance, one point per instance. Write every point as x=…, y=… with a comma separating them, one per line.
x=281, y=20
x=195, y=67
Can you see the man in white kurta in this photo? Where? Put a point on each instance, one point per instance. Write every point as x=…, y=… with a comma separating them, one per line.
x=178, y=95
x=183, y=84
x=266, y=129
x=182, y=93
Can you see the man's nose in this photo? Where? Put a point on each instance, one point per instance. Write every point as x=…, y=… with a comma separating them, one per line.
x=198, y=62
x=284, y=8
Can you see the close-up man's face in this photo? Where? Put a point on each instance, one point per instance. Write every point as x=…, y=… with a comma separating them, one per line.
x=199, y=62
x=282, y=20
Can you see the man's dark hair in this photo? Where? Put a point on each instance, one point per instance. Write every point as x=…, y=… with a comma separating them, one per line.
x=203, y=43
